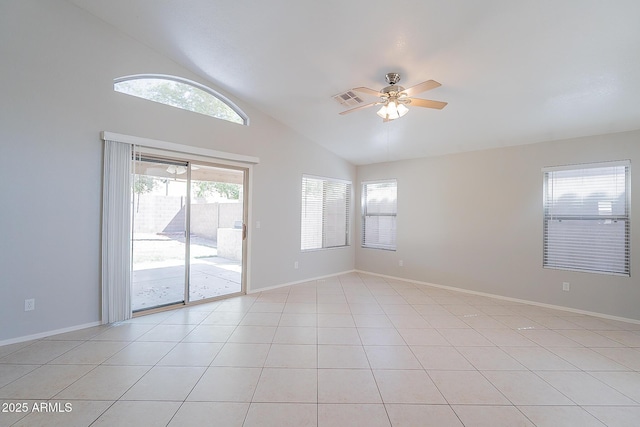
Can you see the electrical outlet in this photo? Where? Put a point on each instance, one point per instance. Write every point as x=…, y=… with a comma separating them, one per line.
x=566, y=286
x=401, y=263
x=295, y=265
x=258, y=224
x=29, y=304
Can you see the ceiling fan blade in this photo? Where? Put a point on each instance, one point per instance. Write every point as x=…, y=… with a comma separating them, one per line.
x=367, y=91
x=360, y=107
x=421, y=87
x=439, y=105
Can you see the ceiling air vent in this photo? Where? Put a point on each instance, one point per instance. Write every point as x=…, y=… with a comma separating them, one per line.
x=348, y=99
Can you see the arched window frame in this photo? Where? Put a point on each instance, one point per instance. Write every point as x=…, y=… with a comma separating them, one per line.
x=212, y=92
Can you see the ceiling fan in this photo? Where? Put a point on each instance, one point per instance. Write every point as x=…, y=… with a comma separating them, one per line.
x=395, y=99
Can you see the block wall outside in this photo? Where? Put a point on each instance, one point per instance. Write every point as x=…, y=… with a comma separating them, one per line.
x=166, y=214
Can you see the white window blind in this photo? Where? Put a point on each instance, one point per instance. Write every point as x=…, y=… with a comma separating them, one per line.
x=116, y=232
x=325, y=213
x=586, y=218
x=379, y=211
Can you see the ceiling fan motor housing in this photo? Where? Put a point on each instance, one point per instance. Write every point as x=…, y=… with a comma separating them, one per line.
x=394, y=89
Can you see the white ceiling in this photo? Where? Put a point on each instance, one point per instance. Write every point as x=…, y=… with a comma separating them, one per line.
x=513, y=72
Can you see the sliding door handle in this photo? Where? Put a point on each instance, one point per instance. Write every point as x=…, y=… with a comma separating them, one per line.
x=244, y=231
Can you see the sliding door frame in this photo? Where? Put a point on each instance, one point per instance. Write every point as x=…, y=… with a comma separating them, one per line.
x=180, y=152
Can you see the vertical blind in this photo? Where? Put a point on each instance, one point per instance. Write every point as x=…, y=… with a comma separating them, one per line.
x=116, y=232
x=325, y=213
x=586, y=218
x=379, y=211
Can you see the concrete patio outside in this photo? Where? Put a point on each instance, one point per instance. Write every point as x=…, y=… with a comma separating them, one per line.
x=159, y=270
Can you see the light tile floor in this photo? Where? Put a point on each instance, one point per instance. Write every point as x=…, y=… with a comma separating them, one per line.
x=353, y=350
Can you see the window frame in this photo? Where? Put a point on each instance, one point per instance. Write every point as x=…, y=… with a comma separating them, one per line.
x=393, y=247
x=210, y=91
x=348, y=210
x=626, y=217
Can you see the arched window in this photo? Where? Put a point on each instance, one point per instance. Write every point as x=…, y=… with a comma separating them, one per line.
x=181, y=93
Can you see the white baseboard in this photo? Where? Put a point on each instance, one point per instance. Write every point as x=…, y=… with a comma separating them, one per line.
x=48, y=333
x=500, y=297
x=311, y=279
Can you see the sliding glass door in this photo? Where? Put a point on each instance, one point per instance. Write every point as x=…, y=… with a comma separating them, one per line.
x=188, y=239
x=158, y=241
x=216, y=232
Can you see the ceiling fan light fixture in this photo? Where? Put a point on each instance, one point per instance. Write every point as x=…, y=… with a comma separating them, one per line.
x=382, y=112
x=402, y=110
x=392, y=110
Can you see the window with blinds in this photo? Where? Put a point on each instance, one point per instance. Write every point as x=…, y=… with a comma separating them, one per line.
x=379, y=211
x=586, y=218
x=325, y=213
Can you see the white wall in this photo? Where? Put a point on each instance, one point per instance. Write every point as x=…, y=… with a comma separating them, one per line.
x=57, y=68
x=474, y=221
